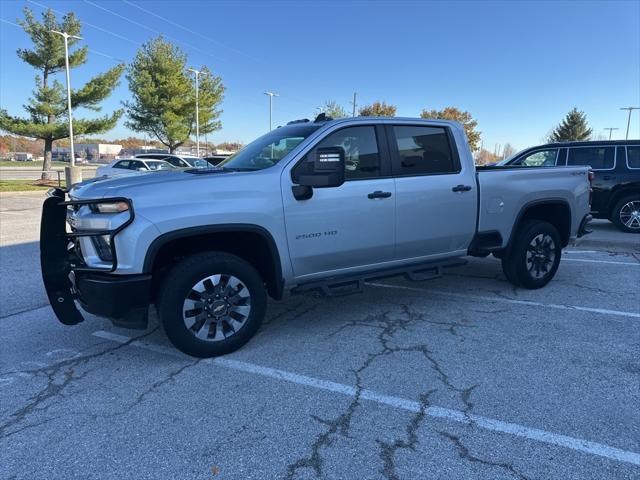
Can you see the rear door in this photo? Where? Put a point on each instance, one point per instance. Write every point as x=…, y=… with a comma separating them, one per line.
x=347, y=228
x=602, y=160
x=436, y=194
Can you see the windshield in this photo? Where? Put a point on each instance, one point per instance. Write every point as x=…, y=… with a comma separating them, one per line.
x=269, y=149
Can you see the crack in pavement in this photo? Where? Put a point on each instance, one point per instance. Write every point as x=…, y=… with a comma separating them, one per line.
x=388, y=450
x=54, y=389
x=388, y=327
x=169, y=378
x=465, y=454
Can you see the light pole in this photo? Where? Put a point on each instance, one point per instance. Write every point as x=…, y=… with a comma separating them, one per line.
x=631, y=109
x=66, y=37
x=611, y=129
x=271, y=95
x=197, y=74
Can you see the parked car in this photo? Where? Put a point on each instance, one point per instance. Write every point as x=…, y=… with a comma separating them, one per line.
x=207, y=246
x=179, y=161
x=127, y=166
x=216, y=159
x=616, y=165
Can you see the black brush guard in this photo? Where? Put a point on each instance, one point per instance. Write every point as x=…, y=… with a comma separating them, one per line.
x=58, y=259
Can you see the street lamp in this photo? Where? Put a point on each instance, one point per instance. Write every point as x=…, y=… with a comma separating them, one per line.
x=197, y=74
x=271, y=95
x=631, y=109
x=611, y=129
x=66, y=37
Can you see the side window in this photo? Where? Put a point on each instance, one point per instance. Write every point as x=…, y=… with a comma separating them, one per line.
x=135, y=165
x=598, y=158
x=633, y=156
x=123, y=164
x=424, y=150
x=362, y=159
x=541, y=158
x=177, y=162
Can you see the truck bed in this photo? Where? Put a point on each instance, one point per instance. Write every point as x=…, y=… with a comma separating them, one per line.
x=504, y=192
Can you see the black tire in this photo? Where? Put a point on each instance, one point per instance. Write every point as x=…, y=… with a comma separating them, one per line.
x=542, y=241
x=194, y=271
x=618, y=216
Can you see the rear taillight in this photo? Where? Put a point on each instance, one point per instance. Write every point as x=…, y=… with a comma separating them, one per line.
x=592, y=176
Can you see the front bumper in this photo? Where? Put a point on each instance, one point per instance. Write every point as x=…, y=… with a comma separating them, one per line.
x=67, y=280
x=582, y=230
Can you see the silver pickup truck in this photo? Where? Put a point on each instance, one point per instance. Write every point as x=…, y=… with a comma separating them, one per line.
x=321, y=205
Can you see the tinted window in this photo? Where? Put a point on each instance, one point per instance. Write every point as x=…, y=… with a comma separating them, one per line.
x=633, y=156
x=598, y=158
x=122, y=164
x=135, y=165
x=424, y=150
x=541, y=158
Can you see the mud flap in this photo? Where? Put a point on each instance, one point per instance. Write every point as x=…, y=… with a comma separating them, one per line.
x=54, y=260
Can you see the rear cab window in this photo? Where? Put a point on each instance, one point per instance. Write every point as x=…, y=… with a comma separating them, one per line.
x=423, y=150
x=598, y=158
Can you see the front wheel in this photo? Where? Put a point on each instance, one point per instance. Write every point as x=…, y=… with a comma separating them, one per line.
x=626, y=214
x=534, y=257
x=211, y=304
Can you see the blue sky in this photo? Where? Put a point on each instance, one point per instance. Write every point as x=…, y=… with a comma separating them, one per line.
x=518, y=67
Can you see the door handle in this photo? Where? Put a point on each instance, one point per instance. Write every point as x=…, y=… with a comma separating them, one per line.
x=379, y=194
x=461, y=188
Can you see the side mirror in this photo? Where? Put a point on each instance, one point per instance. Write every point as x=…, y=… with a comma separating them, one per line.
x=327, y=170
x=142, y=169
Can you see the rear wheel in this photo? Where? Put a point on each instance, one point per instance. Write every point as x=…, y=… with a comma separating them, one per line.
x=533, y=259
x=626, y=214
x=211, y=304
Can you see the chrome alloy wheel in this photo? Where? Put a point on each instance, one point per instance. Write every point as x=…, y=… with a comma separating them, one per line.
x=216, y=308
x=630, y=215
x=541, y=253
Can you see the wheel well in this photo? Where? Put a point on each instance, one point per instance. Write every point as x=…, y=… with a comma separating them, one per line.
x=252, y=246
x=557, y=214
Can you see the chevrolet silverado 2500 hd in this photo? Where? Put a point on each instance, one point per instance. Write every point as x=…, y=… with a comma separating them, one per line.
x=326, y=204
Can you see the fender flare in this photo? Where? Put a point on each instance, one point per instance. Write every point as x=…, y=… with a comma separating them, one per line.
x=277, y=289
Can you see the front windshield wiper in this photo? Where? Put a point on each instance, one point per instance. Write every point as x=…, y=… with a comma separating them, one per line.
x=240, y=169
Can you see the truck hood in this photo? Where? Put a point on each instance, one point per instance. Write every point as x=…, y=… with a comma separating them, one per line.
x=102, y=187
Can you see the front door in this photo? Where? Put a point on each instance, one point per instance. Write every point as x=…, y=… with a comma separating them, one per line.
x=342, y=229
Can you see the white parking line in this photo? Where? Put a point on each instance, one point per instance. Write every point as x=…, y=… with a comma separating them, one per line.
x=522, y=431
x=633, y=264
x=529, y=303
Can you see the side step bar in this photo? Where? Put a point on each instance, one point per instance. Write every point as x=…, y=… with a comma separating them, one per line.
x=354, y=283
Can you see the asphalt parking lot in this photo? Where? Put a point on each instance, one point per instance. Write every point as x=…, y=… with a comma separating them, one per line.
x=461, y=377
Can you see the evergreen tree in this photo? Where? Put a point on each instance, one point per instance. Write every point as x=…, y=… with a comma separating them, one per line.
x=47, y=108
x=378, y=109
x=452, y=113
x=163, y=104
x=574, y=127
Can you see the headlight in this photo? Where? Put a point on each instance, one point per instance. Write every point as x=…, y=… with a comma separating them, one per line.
x=114, y=207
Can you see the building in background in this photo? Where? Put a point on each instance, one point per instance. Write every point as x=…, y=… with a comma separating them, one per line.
x=91, y=152
x=22, y=157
